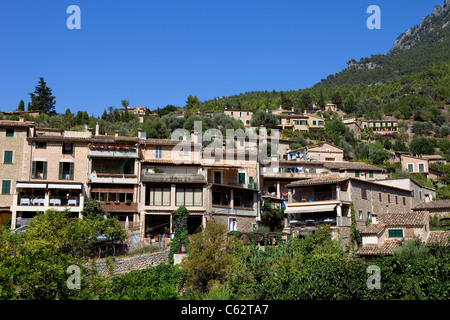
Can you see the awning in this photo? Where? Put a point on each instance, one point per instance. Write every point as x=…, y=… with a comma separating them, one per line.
x=31, y=185
x=64, y=186
x=303, y=209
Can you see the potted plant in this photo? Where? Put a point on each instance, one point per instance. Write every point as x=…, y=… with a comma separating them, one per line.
x=128, y=202
x=117, y=202
x=303, y=224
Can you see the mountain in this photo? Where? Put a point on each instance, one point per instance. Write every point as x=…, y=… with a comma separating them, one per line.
x=413, y=51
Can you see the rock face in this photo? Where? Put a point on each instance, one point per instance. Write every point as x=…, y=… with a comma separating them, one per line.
x=433, y=28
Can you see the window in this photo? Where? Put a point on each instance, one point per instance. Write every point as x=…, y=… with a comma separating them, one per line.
x=41, y=145
x=8, y=157
x=360, y=215
x=9, y=132
x=66, y=170
x=395, y=233
x=39, y=170
x=396, y=200
x=314, y=122
x=232, y=224
x=220, y=198
x=370, y=174
x=369, y=215
x=389, y=198
x=243, y=200
x=157, y=196
x=363, y=193
x=241, y=178
x=186, y=151
x=356, y=174
x=421, y=167
x=67, y=148
x=379, y=196
x=404, y=201
x=6, y=187
x=158, y=152
x=420, y=195
x=189, y=197
x=410, y=167
x=218, y=177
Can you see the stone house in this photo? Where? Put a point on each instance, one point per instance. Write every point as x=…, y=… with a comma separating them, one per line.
x=322, y=151
x=13, y=148
x=437, y=207
x=387, y=231
x=54, y=167
x=328, y=200
x=233, y=184
x=243, y=115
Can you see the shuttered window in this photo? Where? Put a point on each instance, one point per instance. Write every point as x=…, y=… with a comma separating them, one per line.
x=395, y=233
x=39, y=170
x=6, y=187
x=8, y=157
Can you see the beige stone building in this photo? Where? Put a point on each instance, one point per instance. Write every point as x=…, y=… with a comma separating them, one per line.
x=232, y=179
x=243, y=115
x=328, y=200
x=171, y=176
x=53, y=176
x=13, y=148
x=387, y=231
x=317, y=152
x=385, y=127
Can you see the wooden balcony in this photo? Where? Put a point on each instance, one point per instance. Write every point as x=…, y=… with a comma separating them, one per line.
x=111, y=206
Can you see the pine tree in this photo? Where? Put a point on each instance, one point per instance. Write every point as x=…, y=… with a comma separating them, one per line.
x=42, y=99
x=21, y=106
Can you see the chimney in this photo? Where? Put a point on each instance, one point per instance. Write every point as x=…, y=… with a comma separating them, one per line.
x=374, y=218
x=139, y=133
x=116, y=133
x=194, y=136
x=97, y=128
x=292, y=109
x=21, y=118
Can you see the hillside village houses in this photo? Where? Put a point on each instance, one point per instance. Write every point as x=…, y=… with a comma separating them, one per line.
x=142, y=181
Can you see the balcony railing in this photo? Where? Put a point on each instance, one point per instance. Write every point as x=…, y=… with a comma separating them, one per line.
x=314, y=196
x=113, y=152
x=114, y=206
x=112, y=178
x=53, y=201
x=172, y=177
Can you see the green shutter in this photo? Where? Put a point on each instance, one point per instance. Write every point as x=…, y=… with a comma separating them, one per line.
x=61, y=165
x=8, y=157
x=241, y=178
x=71, y=171
x=44, y=169
x=33, y=169
x=356, y=174
x=370, y=174
x=6, y=187
x=10, y=132
x=395, y=233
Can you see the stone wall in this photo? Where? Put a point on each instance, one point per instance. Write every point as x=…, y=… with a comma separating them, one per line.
x=124, y=265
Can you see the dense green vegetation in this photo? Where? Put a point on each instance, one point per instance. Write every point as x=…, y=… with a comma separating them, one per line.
x=33, y=265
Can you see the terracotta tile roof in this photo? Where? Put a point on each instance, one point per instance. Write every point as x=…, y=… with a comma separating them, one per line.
x=11, y=123
x=329, y=179
x=441, y=237
x=351, y=165
x=438, y=204
x=373, y=228
x=387, y=248
x=409, y=219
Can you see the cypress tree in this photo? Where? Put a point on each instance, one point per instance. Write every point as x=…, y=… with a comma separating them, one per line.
x=42, y=99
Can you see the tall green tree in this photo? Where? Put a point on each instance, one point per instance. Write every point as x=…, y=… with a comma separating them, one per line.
x=21, y=106
x=42, y=99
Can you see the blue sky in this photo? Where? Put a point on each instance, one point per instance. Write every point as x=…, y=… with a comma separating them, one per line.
x=156, y=53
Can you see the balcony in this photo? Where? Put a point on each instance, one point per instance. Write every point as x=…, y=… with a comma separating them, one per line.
x=285, y=173
x=113, y=152
x=43, y=203
x=314, y=196
x=114, y=206
x=113, y=178
x=173, y=177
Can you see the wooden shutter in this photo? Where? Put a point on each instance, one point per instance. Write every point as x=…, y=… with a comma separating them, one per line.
x=33, y=169
x=61, y=166
x=71, y=171
x=6, y=187
x=44, y=169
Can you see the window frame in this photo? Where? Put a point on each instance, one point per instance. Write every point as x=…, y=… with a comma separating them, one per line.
x=8, y=157
x=6, y=185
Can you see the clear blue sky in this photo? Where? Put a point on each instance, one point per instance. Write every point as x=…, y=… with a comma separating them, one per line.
x=156, y=53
